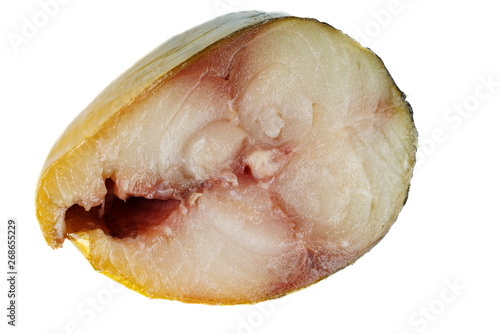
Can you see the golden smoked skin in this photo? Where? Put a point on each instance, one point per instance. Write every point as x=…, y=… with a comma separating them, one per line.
x=277, y=184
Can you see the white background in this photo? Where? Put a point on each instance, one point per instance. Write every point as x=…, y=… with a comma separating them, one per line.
x=437, y=270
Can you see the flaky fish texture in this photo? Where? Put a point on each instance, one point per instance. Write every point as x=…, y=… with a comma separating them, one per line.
x=244, y=159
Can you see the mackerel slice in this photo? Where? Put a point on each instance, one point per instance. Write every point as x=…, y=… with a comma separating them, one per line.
x=246, y=158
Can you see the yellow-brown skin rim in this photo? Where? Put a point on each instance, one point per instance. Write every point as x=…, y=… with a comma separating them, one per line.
x=42, y=197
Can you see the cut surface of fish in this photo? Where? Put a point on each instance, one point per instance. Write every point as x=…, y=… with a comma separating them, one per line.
x=249, y=157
